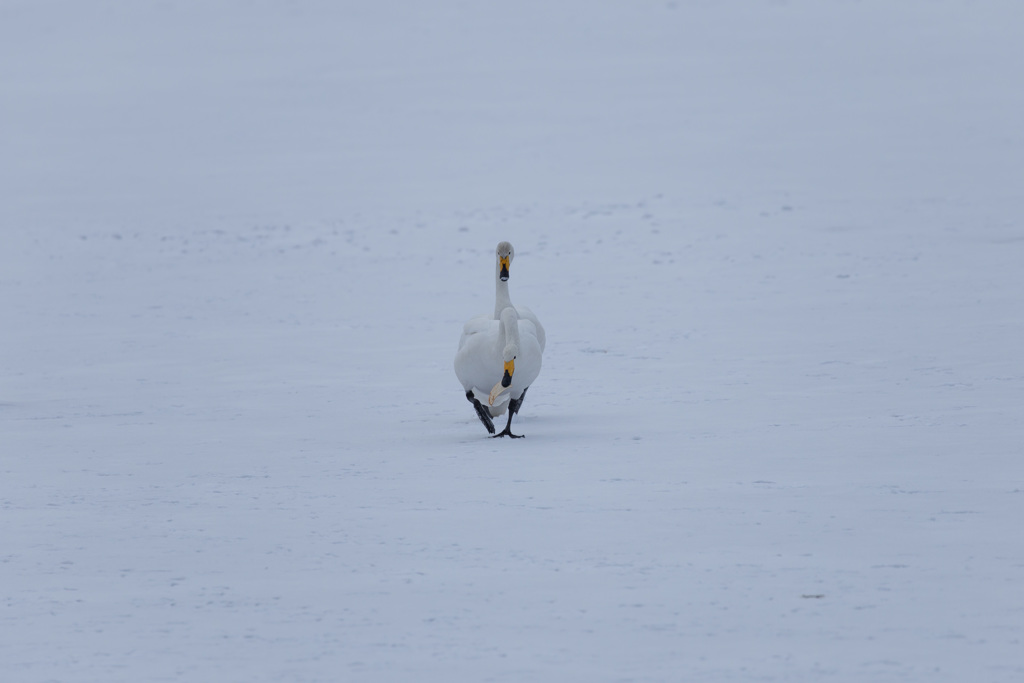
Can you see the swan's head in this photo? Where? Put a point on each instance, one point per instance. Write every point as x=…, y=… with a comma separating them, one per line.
x=505, y=254
x=509, y=357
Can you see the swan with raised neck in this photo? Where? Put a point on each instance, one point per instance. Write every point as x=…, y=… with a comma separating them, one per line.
x=504, y=254
x=507, y=346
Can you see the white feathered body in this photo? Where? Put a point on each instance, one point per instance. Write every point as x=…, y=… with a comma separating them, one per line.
x=479, y=362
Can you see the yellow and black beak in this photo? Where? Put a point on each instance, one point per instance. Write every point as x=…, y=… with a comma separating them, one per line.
x=503, y=273
x=510, y=367
x=506, y=380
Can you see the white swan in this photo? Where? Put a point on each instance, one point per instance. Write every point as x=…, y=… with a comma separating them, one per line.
x=504, y=351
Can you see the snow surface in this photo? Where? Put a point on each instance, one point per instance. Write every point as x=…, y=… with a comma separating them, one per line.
x=776, y=246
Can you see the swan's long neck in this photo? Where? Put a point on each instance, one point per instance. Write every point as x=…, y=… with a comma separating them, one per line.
x=501, y=298
x=509, y=318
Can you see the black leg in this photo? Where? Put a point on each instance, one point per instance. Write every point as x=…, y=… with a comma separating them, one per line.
x=481, y=412
x=513, y=408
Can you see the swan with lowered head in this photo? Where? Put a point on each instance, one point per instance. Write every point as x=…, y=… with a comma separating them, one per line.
x=502, y=352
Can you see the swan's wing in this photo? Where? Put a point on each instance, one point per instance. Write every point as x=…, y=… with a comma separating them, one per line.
x=528, y=361
x=526, y=314
x=481, y=324
x=475, y=355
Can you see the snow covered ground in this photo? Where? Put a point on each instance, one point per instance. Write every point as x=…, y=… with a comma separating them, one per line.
x=777, y=247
